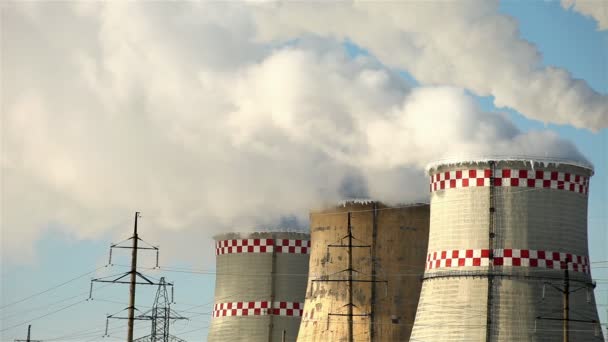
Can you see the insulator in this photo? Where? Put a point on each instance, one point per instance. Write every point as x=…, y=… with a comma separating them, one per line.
x=597, y=329
x=107, y=323
x=172, y=294
x=535, y=321
x=91, y=291
x=110, y=260
x=588, y=295
x=157, y=257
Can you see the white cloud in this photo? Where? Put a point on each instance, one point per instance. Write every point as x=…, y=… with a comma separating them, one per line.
x=205, y=126
x=596, y=9
x=466, y=44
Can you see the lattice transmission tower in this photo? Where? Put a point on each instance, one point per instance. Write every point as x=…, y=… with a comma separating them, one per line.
x=161, y=316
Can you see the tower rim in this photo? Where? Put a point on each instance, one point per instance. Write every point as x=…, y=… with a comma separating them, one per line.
x=279, y=234
x=532, y=161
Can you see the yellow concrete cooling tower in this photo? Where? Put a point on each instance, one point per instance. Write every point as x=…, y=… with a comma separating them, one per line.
x=371, y=294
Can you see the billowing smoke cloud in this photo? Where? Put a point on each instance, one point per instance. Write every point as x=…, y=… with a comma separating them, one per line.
x=465, y=44
x=596, y=9
x=186, y=112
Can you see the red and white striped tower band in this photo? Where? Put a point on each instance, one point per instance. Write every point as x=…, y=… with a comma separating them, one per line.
x=260, y=286
x=504, y=235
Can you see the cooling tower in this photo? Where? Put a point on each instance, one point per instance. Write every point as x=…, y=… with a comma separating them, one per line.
x=388, y=255
x=260, y=286
x=507, y=257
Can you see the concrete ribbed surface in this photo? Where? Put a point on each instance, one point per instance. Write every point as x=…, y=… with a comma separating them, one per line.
x=454, y=301
x=274, y=277
x=400, y=250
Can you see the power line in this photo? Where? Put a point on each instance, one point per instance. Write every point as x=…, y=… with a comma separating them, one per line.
x=22, y=312
x=52, y=288
x=45, y=315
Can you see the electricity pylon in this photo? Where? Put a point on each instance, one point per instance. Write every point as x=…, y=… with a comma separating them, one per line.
x=566, y=291
x=135, y=278
x=349, y=279
x=28, y=339
x=161, y=316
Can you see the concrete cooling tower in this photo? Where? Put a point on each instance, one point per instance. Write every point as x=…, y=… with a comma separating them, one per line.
x=386, y=262
x=507, y=257
x=260, y=286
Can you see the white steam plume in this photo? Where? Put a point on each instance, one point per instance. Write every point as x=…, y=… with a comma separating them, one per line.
x=464, y=44
x=596, y=9
x=178, y=110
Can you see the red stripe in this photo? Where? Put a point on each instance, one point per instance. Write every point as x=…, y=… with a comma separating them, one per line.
x=510, y=177
x=262, y=246
x=262, y=308
x=507, y=257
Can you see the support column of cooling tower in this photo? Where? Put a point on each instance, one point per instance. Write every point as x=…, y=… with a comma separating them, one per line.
x=491, y=247
x=272, y=291
x=350, y=281
x=566, y=305
x=372, y=310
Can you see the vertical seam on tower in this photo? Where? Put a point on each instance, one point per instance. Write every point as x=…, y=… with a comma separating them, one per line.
x=491, y=247
x=272, y=287
x=373, y=284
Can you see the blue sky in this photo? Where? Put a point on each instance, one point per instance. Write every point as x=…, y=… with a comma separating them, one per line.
x=565, y=39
